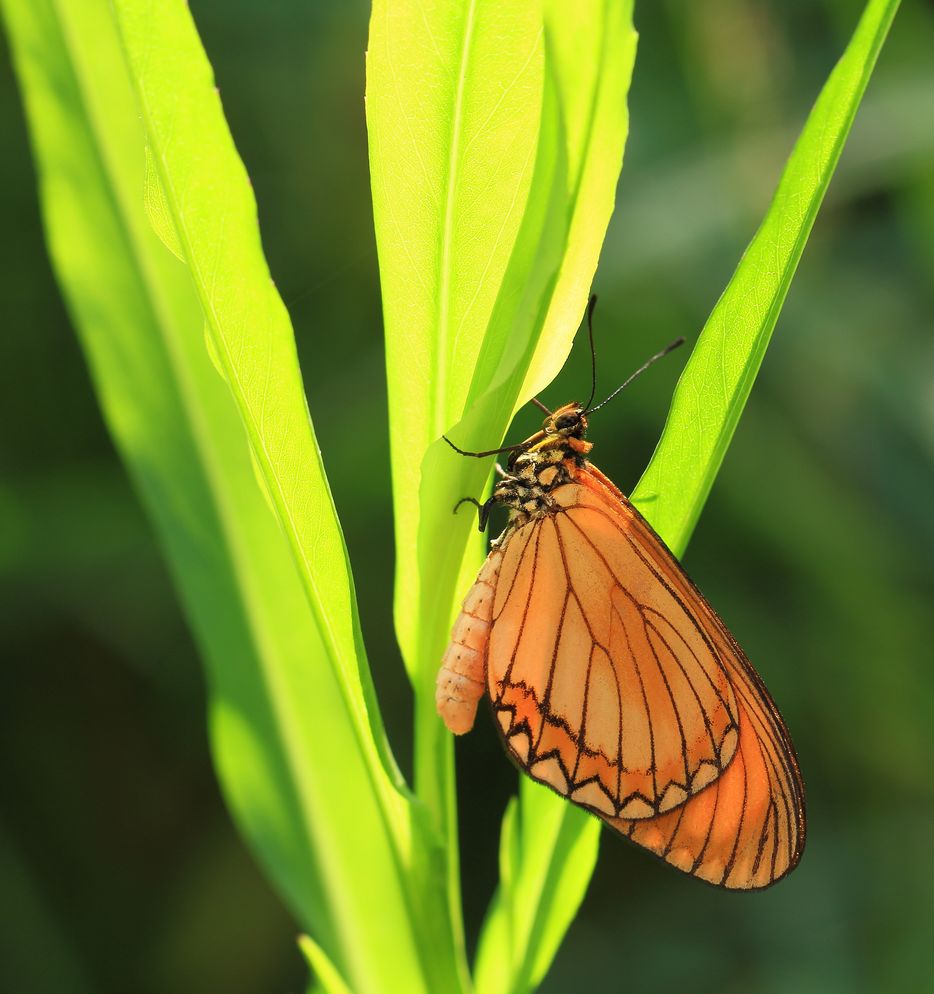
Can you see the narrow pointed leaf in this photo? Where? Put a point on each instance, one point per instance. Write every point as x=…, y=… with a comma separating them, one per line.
x=290, y=736
x=715, y=384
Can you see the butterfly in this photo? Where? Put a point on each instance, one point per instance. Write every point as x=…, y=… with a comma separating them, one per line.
x=611, y=678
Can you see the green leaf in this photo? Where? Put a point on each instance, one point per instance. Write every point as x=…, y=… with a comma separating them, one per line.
x=530, y=911
x=296, y=740
x=548, y=851
x=715, y=384
x=208, y=206
x=213, y=214
x=454, y=95
x=327, y=978
x=496, y=137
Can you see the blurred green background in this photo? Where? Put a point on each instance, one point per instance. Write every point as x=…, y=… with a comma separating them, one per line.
x=119, y=868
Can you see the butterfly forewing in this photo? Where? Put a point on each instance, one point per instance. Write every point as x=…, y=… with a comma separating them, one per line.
x=603, y=677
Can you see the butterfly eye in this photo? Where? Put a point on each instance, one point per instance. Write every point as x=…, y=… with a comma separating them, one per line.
x=566, y=421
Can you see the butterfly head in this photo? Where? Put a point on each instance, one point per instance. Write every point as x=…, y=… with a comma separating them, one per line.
x=569, y=421
x=561, y=437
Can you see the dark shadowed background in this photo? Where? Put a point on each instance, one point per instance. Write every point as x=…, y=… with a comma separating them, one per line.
x=119, y=868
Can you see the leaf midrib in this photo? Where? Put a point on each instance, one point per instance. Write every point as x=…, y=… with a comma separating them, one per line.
x=439, y=407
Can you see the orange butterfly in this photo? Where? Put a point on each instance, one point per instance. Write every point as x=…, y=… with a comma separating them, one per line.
x=611, y=678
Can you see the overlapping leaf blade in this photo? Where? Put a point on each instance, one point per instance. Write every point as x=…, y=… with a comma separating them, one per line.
x=530, y=912
x=520, y=110
x=454, y=109
x=292, y=739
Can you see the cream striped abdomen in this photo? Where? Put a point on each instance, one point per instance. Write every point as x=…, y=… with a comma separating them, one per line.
x=462, y=677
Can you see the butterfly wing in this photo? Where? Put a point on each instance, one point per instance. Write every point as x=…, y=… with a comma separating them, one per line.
x=747, y=829
x=636, y=692
x=602, y=668
x=615, y=683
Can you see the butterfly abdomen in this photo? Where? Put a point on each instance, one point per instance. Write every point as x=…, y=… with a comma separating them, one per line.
x=462, y=677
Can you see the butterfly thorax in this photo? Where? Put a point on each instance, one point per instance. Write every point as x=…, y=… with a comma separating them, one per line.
x=547, y=460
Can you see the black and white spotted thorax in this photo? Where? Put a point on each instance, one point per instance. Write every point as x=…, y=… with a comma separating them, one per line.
x=526, y=490
x=545, y=461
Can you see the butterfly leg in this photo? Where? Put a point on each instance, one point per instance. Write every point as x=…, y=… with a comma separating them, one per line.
x=483, y=510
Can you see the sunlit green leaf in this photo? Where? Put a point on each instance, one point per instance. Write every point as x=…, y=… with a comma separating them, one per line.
x=716, y=382
x=548, y=852
x=292, y=739
x=496, y=137
x=454, y=107
x=327, y=978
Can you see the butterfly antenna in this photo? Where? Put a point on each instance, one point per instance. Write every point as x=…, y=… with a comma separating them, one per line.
x=488, y=452
x=593, y=352
x=658, y=355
